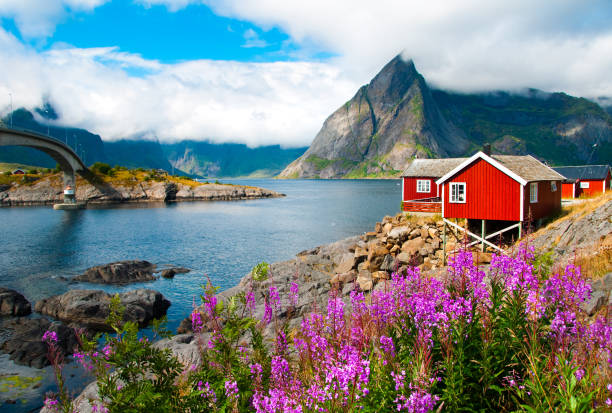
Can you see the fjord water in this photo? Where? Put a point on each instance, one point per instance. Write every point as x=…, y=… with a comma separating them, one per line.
x=224, y=240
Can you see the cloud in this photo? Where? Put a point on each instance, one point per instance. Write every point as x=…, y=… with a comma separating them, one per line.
x=471, y=45
x=38, y=18
x=252, y=39
x=122, y=95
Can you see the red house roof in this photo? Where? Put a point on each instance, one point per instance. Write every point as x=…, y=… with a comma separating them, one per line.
x=431, y=168
x=522, y=169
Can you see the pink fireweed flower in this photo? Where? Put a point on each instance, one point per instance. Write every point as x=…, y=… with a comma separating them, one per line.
x=50, y=337
x=274, y=299
x=207, y=392
x=210, y=304
x=386, y=345
x=231, y=389
x=294, y=294
x=196, y=321
x=250, y=300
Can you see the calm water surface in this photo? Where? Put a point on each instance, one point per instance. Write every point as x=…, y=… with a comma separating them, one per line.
x=223, y=240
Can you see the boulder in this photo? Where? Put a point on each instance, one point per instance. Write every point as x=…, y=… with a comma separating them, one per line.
x=90, y=308
x=595, y=303
x=482, y=257
x=380, y=275
x=433, y=232
x=120, y=272
x=399, y=233
x=412, y=246
x=388, y=263
x=364, y=280
x=24, y=344
x=169, y=273
x=13, y=303
x=424, y=233
x=347, y=277
x=414, y=233
x=386, y=228
x=347, y=264
x=404, y=258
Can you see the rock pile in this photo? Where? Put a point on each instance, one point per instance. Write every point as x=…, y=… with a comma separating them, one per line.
x=396, y=243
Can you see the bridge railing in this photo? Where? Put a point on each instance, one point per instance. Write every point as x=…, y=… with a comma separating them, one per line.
x=35, y=132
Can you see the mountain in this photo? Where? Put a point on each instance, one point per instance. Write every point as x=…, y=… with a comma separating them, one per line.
x=228, y=160
x=387, y=122
x=397, y=117
x=186, y=157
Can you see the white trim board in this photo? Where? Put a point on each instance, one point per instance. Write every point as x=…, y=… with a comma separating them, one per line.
x=485, y=157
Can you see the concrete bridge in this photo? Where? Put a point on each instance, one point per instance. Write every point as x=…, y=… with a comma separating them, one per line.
x=67, y=159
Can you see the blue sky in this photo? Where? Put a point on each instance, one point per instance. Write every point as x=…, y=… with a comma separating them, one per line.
x=271, y=71
x=154, y=32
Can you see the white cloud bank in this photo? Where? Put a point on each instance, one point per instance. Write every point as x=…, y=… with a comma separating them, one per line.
x=121, y=95
x=469, y=45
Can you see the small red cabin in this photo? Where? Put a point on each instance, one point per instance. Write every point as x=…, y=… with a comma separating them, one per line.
x=420, y=193
x=585, y=180
x=500, y=187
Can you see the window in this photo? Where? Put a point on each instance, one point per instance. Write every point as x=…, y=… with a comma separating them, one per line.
x=533, y=192
x=553, y=186
x=423, y=185
x=457, y=192
x=584, y=185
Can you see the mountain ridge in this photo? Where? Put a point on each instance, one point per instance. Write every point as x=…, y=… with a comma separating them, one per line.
x=397, y=117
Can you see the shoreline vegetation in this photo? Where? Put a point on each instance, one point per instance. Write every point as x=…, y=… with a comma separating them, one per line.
x=510, y=334
x=118, y=185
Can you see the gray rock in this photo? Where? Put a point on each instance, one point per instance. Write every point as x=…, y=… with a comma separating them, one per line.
x=389, y=263
x=169, y=273
x=597, y=301
x=120, y=272
x=13, y=303
x=90, y=308
x=25, y=345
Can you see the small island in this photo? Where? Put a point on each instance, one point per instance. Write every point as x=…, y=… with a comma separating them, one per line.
x=112, y=185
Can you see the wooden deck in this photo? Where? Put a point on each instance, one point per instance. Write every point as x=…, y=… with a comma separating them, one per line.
x=431, y=205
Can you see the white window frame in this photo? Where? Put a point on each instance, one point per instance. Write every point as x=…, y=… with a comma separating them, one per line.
x=553, y=186
x=533, y=192
x=423, y=182
x=584, y=185
x=455, y=199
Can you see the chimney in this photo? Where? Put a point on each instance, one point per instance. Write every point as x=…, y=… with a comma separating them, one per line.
x=486, y=148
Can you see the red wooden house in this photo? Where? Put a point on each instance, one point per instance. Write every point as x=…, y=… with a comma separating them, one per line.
x=585, y=180
x=499, y=188
x=420, y=193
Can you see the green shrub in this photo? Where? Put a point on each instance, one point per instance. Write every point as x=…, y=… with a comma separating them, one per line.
x=101, y=168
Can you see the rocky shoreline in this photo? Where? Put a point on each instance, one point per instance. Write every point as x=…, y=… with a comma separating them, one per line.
x=49, y=190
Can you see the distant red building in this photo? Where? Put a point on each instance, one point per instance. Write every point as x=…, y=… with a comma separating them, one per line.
x=18, y=172
x=585, y=180
x=501, y=188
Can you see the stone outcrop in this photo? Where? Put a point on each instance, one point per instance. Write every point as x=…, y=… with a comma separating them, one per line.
x=49, y=190
x=13, y=303
x=90, y=308
x=120, y=272
x=25, y=345
x=580, y=232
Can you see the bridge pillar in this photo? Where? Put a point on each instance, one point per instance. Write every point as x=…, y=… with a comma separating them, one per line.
x=69, y=187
